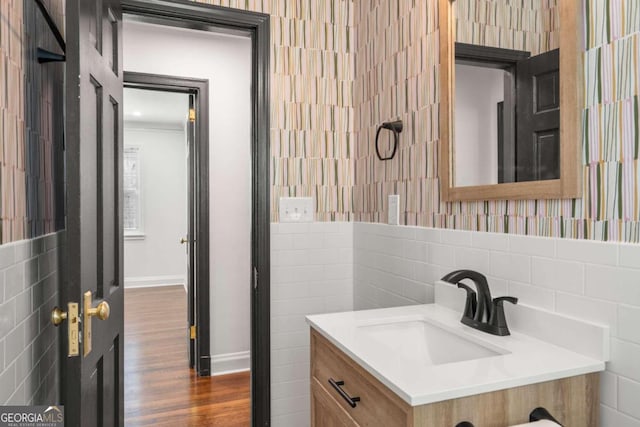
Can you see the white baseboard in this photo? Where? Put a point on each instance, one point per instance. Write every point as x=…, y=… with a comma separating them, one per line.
x=144, y=282
x=229, y=363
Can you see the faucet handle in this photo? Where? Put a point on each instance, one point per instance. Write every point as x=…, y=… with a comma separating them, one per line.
x=499, y=300
x=471, y=303
x=497, y=320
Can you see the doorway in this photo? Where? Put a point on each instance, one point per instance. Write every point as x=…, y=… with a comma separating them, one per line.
x=166, y=122
x=215, y=70
x=256, y=26
x=92, y=386
x=155, y=216
x=165, y=137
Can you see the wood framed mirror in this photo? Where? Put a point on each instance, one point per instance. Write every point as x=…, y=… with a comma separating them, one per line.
x=518, y=98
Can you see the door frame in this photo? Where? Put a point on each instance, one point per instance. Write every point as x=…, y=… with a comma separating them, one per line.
x=190, y=14
x=200, y=88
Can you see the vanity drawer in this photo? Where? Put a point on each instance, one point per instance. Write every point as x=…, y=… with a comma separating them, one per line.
x=326, y=411
x=378, y=406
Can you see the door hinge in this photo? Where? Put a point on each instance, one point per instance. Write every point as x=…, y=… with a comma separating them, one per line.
x=192, y=332
x=192, y=115
x=255, y=278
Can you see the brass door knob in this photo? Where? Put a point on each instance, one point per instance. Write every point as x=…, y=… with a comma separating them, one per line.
x=58, y=316
x=183, y=241
x=101, y=311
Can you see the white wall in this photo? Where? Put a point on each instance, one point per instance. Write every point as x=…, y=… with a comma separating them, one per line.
x=226, y=62
x=311, y=273
x=596, y=281
x=158, y=258
x=478, y=91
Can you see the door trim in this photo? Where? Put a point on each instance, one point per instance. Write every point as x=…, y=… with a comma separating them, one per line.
x=189, y=14
x=201, y=89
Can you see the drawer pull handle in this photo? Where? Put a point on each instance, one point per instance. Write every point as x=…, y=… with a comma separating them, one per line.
x=338, y=386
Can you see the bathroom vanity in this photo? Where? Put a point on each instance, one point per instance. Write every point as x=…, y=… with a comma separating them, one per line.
x=419, y=366
x=573, y=399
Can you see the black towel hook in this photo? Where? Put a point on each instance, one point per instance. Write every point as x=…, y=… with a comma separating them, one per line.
x=396, y=128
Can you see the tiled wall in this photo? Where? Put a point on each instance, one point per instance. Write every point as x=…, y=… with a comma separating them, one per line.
x=311, y=273
x=29, y=351
x=612, y=137
x=31, y=203
x=397, y=76
x=324, y=113
x=397, y=56
x=312, y=66
x=531, y=25
x=12, y=173
x=30, y=123
x=596, y=281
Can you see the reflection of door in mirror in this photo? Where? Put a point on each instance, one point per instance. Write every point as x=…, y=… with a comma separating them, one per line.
x=507, y=110
x=538, y=117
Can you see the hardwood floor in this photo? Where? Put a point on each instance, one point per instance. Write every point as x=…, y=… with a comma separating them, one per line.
x=160, y=389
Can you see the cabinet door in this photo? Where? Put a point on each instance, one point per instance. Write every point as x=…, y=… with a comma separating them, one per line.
x=325, y=411
x=378, y=406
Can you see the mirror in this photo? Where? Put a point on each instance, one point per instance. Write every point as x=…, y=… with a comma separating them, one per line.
x=507, y=115
x=510, y=99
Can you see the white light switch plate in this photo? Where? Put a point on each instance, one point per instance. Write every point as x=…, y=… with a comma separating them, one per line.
x=296, y=209
x=394, y=209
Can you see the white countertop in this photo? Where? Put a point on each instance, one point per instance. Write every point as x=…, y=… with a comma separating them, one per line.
x=522, y=359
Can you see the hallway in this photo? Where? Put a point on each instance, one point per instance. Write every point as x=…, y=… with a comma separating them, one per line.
x=160, y=389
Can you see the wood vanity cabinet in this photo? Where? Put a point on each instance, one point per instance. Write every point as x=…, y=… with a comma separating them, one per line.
x=573, y=401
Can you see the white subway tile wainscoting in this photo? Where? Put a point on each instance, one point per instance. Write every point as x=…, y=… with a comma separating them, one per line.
x=331, y=267
x=595, y=281
x=311, y=273
x=29, y=280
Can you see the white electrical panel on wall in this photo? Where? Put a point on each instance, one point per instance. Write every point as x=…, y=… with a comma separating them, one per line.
x=296, y=209
x=394, y=209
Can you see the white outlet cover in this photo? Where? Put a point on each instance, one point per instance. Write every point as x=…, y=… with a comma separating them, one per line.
x=394, y=209
x=296, y=209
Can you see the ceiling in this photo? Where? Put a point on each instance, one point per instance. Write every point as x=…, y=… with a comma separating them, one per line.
x=150, y=106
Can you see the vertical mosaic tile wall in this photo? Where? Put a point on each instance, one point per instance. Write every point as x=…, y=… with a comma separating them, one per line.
x=397, y=77
x=530, y=25
x=30, y=122
x=312, y=69
x=611, y=131
x=12, y=172
x=324, y=112
x=397, y=61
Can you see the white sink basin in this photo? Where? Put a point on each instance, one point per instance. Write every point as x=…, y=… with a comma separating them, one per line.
x=425, y=355
x=423, y=341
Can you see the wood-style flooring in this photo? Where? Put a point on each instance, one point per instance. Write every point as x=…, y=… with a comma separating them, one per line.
x=160, y=389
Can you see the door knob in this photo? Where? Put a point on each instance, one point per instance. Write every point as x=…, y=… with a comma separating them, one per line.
x=101, y=311
x=183, y=241
x=58, y=316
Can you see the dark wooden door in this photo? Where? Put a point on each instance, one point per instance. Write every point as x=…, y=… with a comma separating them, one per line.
x=538, y=117
x=191, y=221
x=92, y=382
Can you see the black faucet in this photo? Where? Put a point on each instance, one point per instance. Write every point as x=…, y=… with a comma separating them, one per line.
x=481, y=311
